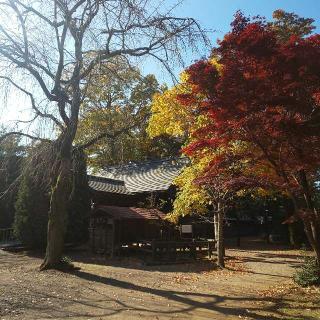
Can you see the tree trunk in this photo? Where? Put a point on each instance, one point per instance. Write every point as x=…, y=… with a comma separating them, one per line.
x=215, y=223
x=58, y=215
x=220, y=238
x=311, y=224
x=312, y=231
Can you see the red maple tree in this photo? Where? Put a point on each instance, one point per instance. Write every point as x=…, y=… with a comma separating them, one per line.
x=267, y=96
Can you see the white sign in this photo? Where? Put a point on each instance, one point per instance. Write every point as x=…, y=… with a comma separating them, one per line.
x=186, y=228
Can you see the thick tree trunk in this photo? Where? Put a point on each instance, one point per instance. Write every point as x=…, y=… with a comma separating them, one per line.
x=58, y=215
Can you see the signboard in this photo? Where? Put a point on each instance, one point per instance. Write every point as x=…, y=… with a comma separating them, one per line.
x=186, y=228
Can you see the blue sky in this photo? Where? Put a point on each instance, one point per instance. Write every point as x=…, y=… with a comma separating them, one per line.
x=217, y=15
x=213, y=15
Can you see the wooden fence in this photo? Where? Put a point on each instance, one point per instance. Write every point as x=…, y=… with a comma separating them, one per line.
x=6, y=235
x=175, y=251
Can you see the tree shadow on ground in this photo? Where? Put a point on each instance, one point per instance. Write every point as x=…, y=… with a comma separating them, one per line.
x=98, y=301
x=188, y=302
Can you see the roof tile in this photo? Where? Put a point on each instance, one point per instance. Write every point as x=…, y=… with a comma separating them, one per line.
x=129, y=213
x=156, y=175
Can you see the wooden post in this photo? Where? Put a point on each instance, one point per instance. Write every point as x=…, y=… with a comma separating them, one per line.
x=153, y=246
x=238, y=231
x=93, y=239
x=112, y=239
x=209, y=249
x=119, y=237
x=193, y=250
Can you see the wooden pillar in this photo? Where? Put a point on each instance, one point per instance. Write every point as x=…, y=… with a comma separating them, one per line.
x=118, y=233
x=153, y=246
x=193, y=250
x=93, y=240
x=92, y=234
x=209, y=249
x=112, y=238
x=238, y=231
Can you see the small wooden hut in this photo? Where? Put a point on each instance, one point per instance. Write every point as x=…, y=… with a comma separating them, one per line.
x=113, y=227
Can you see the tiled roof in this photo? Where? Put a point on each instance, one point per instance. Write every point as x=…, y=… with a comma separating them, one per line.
x=156, y=175
x=128, y=213
x=107, y=185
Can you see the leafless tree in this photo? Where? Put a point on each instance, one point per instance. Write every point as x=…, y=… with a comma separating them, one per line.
x=48, y=50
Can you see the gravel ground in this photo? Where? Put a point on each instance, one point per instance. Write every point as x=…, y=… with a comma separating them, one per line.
x=256, y=285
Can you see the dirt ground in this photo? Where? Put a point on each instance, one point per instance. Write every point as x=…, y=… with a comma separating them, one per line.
x=256, y=285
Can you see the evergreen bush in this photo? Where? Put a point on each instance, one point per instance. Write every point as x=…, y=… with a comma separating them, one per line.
x=31, y=215
x=33, y=201
x=80, y=202
x=308, y=274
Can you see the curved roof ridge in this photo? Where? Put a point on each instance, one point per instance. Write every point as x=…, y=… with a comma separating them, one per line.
x=156, y=175
x=145, y=163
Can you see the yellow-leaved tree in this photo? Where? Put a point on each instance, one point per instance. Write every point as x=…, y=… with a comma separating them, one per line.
x=172, y=117
x=191, y=197
x=168, y=116
x=117, y=106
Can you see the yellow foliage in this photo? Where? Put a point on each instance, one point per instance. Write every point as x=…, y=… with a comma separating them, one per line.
x=172, y=118
x=168, y=115
x=191, y=198
x=214, y=61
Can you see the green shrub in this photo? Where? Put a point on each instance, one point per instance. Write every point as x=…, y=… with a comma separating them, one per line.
x=80, y=202
x=309, y=273
x=11, y=155
x=33, y=201
x=31, y=216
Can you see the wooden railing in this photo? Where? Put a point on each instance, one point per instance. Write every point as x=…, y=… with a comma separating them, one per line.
x=173, y=251
x=6, y=235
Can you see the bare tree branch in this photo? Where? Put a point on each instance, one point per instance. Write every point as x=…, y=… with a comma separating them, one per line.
x=49, y=44
x=110, y=135
x=22, y=134
x=33, y=104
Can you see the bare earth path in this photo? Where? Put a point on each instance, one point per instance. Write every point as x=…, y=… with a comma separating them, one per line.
x=129, y=290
